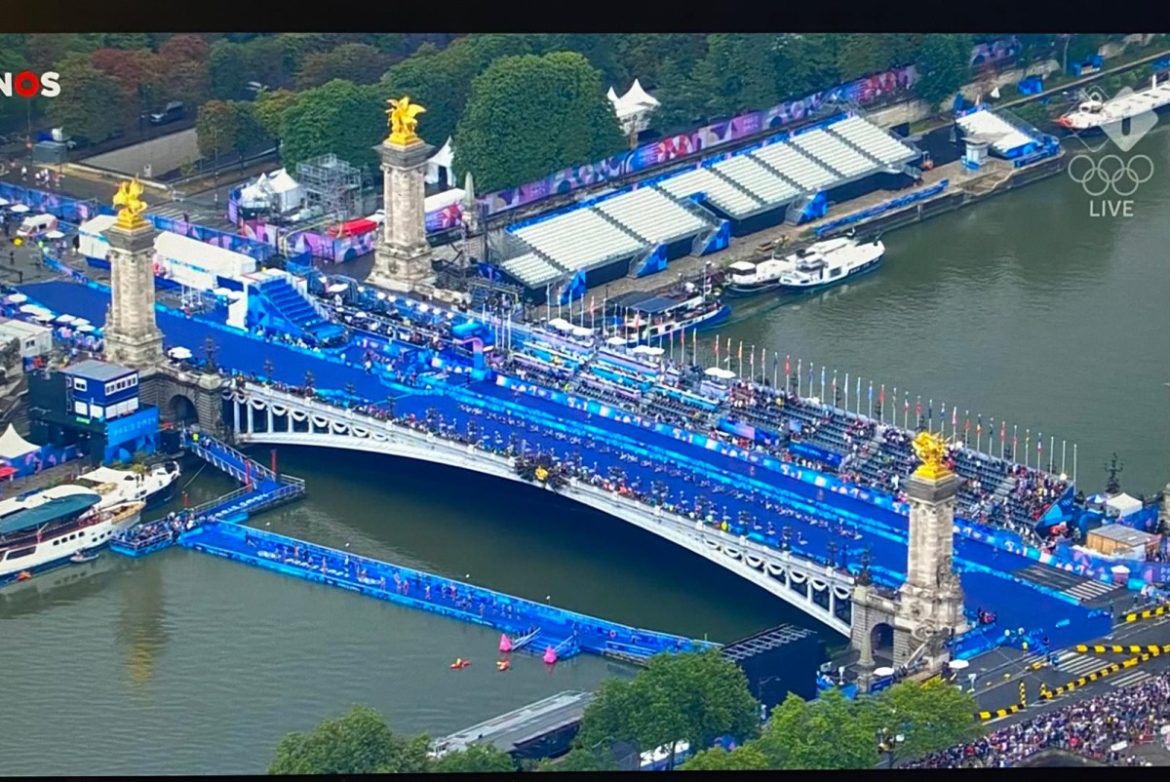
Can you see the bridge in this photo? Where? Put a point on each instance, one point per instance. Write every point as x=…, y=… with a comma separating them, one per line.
x=263, y=415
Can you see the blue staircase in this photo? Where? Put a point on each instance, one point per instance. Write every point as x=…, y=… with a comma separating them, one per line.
x=287, y=304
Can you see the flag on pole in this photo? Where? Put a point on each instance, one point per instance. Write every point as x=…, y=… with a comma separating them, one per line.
x=857, y=396
x=1002, y=431
x=918, y=408
x=930, y=414
x=954, y=419
x=810, y=378
x=822, y=380
x=871, y=391
x=764, y=362
x=882, y=396
x=1039, y=446
x=752, y=360
x=846, y=390
x=1015, y=439
x=799, y=374
x=979, y=425
x=682, y=343
x=967, y=424
x=716, y=350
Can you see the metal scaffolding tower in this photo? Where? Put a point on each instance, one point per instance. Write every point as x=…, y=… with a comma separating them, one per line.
x=332, y=186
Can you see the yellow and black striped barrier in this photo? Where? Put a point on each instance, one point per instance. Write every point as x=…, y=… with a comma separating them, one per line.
x=1149, y=613
x=984, y=716
x=1152, y=649
x=1024, y=695
x=1102, y=673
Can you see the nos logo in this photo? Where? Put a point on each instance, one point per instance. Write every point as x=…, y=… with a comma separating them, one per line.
x=27, y=84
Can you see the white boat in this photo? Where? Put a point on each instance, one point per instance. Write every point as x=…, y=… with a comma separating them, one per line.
x=654, y=320
x=1093, y=115
x=816, y=266
x=829, y=263
x=154, y=486
x=42, y=529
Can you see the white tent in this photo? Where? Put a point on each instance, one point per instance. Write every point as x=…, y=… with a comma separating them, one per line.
x=13, y=446
x=1124, y=504
x=443, y=200
x=441, y=162
x=634, y=108
x=288, y=193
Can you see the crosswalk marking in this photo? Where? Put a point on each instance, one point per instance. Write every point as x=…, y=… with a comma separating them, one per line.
x=1087, y=590
x=1075, y=664
x=1130, y=679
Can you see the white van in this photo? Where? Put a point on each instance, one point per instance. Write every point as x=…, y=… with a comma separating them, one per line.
x=36, y=225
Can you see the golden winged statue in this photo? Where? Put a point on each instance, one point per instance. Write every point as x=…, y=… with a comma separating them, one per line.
x=131, y=206
x=931, y=450
x=403, y=120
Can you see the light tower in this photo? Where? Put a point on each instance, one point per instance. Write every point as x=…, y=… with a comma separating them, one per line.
x=132, y=336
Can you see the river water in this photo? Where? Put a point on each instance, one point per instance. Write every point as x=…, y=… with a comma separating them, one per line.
x=1024, y=308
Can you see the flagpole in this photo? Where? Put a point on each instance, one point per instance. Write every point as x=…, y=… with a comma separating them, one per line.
x=857, y=397
x=1074, y=462
x=799, y=372
x=1063, y=451
x=1051, y=451
x=871, y=400
x=1027, y=445
x=764, y=363
x=846, y=392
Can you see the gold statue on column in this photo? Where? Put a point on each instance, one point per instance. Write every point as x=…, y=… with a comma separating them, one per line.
x=403, y=121
x=931, y=450
x=131, y=206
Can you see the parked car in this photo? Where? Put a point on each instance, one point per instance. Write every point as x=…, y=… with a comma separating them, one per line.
x=173, y=111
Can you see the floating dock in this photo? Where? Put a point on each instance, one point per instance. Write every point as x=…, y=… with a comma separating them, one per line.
x=566, y=632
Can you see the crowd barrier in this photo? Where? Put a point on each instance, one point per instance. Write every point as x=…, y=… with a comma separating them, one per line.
x=1101, y=673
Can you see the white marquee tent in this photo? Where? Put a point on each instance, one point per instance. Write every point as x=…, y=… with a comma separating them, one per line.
x=634, y=108
x=13, y=446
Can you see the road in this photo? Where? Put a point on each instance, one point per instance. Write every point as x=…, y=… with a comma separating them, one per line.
x=998, y=683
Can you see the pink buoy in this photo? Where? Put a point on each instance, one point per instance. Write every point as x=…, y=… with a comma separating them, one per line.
x=550, y=657
x=505, y=644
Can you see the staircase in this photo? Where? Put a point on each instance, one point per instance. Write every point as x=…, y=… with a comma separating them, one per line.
x=303, y=320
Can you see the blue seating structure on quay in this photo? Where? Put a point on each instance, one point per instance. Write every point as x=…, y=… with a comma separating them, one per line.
x=287, y=309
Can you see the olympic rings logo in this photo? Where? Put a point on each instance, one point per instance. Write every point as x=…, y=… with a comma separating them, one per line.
x=1111, y=173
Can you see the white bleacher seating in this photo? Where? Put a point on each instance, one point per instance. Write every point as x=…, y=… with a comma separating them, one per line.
x=532, y=270
x=835, y=154
x=654, y=216
x=795, y=166
x=729, y=199
x=750, y=174
x=988, y=124
x=873, y=140
x=581, y=239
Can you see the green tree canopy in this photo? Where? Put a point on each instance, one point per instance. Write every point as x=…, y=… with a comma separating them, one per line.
x=478, y=758
x=216, y=128
x=271, y=106
x=831, y=732
x=530, y=115
x=580, y=759
x=340, y=118
x=944, y=65
x=358, y=742
x=96, y=106
x=746, y=758
x=692, y=697
x=359, y=63
x=737, y=75
x=930, y=716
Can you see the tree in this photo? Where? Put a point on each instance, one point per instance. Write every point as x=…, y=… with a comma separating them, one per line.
x=680, y=105
x=98, y=105
x=184, y=46
x=11, y=61
x=804, y=63
x=644, y=56
x=270, y=110
x=1080, y=47
x=736, y=75
x=504, y=146
x=338, y=117
x=356, y=62
x=930, y=716
x=860, y=54
x=745, y=758
x=478, y=758
x=216, y=128
x=229, y=69
x=831, y=732
x=694, y=697
x=358, y=742
x=943, y=66
x=139, y=72
x=125, y=40
x=580, y=759
x=185, y=59
x=250, y=133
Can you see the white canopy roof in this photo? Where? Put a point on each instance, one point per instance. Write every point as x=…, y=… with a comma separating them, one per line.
x=281, y=182
x=13, y=446
x=1124, y=504
x=719, y=372
x=635, y=101
x=560, y=324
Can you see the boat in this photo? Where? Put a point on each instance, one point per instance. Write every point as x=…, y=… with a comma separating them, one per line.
x=82, y=557
x=1093, y=115
x=43, y=529
x=155, y=486
x=812, y=268
x=644, y=318
x=830, y=263
x=460, y=664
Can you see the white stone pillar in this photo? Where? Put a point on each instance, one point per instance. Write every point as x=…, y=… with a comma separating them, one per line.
x=132, y=336
x=235, y=414
x=402, y=259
